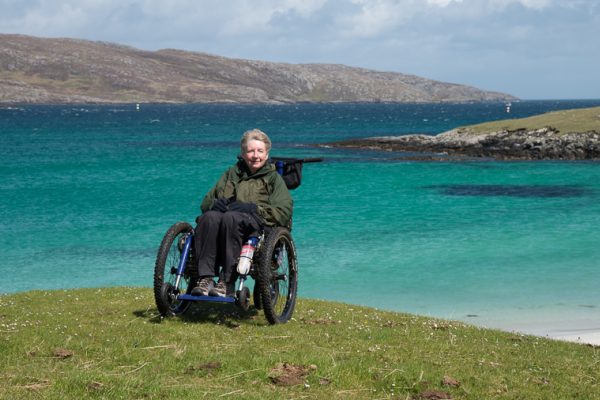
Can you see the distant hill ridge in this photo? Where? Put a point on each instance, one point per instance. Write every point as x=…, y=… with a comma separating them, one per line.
x=41, y=70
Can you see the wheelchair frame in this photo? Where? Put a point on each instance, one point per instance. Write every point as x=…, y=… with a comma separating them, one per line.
x=273, y=267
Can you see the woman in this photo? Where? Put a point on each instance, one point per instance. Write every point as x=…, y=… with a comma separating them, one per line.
x=249, y=196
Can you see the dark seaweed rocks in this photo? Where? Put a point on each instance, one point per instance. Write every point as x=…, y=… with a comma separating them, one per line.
x=540, y=144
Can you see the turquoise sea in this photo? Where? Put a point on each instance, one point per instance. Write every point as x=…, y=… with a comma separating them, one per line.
x=88, y=192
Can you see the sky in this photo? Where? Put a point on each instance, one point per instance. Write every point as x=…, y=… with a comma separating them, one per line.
x=532, y=49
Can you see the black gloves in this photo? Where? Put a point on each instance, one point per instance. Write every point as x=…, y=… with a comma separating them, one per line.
x=224, y=205
x=220, y=205
x=248, y=208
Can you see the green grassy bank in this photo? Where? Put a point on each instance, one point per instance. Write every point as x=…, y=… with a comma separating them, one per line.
x=110, y=344
x=566, y=121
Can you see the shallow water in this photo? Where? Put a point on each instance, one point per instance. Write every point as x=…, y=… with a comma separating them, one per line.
x=88, y=192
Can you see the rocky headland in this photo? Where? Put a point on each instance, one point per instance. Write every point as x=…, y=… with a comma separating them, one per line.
x=508, y=143
x=539, y=144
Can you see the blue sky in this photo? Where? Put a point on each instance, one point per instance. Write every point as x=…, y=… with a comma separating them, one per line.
x=533, y=49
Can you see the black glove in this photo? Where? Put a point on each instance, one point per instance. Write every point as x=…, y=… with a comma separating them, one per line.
x=248, y=208
x=220, y=205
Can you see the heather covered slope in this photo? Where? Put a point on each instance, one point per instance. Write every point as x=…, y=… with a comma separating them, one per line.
x=39, y=70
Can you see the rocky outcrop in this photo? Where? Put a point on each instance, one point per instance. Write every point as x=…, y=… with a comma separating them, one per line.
x=38, y=70
x=540, y=144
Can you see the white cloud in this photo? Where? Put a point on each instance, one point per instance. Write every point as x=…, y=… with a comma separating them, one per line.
x=464, y=41
x=534, y=4
x=361, y=18
x=305, y=8
x=249, y=16
x=373, y=17
x=442, y=3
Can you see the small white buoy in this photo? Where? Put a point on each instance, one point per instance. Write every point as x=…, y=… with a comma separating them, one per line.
x=137, y=106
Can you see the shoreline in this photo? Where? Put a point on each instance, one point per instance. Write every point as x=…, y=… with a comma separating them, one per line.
x=581, y=329
x=460, y=145
x=585, y=336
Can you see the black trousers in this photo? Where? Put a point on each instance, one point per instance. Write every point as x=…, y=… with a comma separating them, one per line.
x=218, y=241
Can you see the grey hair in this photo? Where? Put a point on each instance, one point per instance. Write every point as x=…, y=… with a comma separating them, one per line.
x=255, y=134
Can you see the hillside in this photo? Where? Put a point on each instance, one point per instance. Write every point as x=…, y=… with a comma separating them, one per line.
x=111, y=344
x=40, y=70
x=563, y=121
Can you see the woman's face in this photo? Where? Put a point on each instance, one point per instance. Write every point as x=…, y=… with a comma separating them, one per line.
x=255, y=155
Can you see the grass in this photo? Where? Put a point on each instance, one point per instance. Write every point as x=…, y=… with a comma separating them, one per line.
x=566, y=121
x=110, y=344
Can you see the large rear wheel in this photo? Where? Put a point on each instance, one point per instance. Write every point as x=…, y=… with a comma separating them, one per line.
x=278, y=276
x=165, y=271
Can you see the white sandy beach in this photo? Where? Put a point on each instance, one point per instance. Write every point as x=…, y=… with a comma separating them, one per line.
x=584, y=329
x=582, y=335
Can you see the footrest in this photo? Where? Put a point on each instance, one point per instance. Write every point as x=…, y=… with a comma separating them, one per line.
x=214, y=299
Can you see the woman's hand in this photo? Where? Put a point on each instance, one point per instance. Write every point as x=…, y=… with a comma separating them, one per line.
x=248, y=208
x=220, y=205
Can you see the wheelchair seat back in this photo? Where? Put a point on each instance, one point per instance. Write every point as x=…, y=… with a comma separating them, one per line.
x=290, y=169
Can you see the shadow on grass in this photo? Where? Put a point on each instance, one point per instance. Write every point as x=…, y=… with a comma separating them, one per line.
x=223, y=314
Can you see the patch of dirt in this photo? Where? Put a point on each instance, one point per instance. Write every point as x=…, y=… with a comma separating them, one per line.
x=450, y=381
x=209, y=366
x=319, y=321
x=432, y=395
x=285, y=374
x=324, y=381
x=95, y=386
x=62, y=353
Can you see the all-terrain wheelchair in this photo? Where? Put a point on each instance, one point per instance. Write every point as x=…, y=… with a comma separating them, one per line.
x=273, y=265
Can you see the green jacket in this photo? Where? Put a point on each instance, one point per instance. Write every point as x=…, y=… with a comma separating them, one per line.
x=265, y=188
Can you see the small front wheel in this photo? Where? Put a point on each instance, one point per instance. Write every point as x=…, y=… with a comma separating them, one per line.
x=278, y=276
x=243, y=298
x=165, y=272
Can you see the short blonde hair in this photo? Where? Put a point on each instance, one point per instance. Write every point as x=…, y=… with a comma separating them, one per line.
x=255, y=134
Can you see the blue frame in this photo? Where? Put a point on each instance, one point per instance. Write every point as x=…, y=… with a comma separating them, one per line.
x=181, y=270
